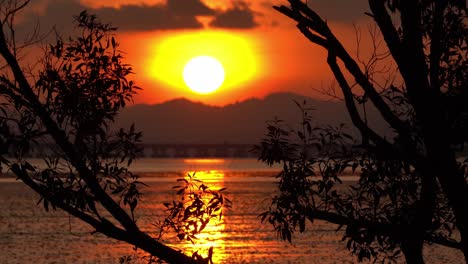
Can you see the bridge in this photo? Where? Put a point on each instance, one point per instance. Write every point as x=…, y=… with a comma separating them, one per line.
x=171, y=151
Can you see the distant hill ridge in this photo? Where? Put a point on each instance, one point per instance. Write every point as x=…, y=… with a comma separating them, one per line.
x=182, y=121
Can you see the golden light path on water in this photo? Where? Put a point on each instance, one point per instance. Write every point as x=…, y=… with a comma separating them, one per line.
x=213, y=235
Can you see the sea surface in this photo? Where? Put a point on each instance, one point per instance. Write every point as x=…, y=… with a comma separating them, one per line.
x=28, y=234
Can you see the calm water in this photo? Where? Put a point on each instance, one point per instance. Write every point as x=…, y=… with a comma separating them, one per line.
x=28, y=234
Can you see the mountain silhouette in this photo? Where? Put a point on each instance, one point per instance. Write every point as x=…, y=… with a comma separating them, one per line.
x=181, y=121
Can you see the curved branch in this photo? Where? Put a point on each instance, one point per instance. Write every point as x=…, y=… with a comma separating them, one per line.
x=389, y=32
x=311, y=36
x=313, y=21
x=380, y=227
x=365, y=130
x=139, y=239
x=10, y=93
x=23, y=176
x=13, y=11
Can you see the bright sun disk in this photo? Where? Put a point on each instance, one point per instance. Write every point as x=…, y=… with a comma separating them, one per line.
x=203, y=74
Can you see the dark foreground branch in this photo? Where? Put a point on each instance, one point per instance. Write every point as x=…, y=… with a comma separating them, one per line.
x=366, y=131
x=380, y=227
x=310, y=22
x=140, y=240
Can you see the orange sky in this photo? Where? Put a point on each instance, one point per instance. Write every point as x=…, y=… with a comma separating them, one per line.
x=261, y=50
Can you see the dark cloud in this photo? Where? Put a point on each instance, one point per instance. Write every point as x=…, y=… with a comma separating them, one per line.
x=240, y=16
x=340, y=10
x=188, y=8
x=176, y=14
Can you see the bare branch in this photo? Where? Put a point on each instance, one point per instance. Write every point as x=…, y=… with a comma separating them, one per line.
x=390, y=34
x=366, y=132
x=23, y=175
x=317, y=24
x=11, y=12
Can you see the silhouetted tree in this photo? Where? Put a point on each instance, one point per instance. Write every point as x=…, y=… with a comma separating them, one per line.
x=411, y=187
x=68, y=103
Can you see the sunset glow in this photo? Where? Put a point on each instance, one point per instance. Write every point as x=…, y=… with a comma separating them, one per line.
x=233, y=51
x=261, y=52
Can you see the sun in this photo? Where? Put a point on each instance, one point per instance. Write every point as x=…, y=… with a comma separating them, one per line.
x=203, y=74
x=167, y=55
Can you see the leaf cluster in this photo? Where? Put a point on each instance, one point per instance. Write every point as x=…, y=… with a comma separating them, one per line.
x=197, y=206
x=84, y=82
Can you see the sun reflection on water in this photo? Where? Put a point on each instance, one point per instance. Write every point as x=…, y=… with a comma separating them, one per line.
x=213, y=235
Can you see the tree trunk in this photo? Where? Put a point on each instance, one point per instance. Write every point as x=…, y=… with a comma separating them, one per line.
x=451, y=179
x=455, y=188
x=413, y=235
x=412, y=249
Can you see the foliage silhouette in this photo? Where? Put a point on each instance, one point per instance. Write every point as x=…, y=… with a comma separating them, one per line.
x=70, y=104
x=411, y=187
x=196, y=207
